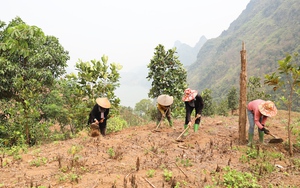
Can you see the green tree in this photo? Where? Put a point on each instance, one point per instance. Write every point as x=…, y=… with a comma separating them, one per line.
x=167, y=74
x=288, y=79
x=232, y=99
x=29, y=56
x=222, y=108
x=254, y=88
x=130, y=117
x=30, y=61
x=98, y=79
x=66, y=105
x=144, y=108
x=209, y=107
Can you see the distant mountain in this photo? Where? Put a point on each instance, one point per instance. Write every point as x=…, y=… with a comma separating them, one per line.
x=269, y=28
x=187, y=54
x=133, y=84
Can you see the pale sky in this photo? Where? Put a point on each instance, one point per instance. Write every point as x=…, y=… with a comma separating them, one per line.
x=127, y=31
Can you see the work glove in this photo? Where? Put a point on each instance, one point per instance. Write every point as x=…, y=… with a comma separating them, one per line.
x=266, y=131
x=198, y=116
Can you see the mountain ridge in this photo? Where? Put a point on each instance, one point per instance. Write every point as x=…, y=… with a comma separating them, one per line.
x=269, y=29
x=187, y=54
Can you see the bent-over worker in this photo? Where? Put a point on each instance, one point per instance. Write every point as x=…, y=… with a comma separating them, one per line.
x=164, y=108
x=99, y=114
x=192, y=100
x=258, y=112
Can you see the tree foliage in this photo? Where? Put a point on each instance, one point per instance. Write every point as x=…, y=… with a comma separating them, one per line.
x=208, y=109
x=66, y=106
x=98, y=78
x=232, y=99
x=255, y=91
x=30, y=61
x=34, y=96
x=288, y=79
x=168, y=75
x=222, y=108
x=144, y=108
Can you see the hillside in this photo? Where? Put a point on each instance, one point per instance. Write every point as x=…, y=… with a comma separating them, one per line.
x=139, y=157
x=269, y=28
x=187, y=54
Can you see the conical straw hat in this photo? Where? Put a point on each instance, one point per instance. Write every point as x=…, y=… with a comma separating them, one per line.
x=267, y=108
x=165, y=100
x=103, y=102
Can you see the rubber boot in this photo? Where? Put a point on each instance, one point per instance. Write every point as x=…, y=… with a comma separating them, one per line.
x=103, y=131
x=261, y=136
x=186, y=132
x=250, y=140
x=171, y=123
x=196, y=127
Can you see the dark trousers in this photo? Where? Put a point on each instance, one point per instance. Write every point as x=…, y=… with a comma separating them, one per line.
x=102, y=127
x=188, y=112
x=168, y=115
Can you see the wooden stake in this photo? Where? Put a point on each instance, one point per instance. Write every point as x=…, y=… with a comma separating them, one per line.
x=243, y=97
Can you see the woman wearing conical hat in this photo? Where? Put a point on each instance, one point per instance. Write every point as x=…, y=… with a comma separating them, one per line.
x=192, y=100
x=99, y=114
x=258, y=112
x=164, y=108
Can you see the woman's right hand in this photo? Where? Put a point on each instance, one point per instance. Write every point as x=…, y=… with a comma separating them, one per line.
x=96, y=121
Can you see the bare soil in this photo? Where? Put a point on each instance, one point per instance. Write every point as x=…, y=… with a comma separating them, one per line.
x=141, y=157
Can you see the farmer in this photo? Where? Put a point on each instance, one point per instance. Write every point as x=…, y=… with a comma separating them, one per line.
x=164, y=108
x=258, y=111
x=192, y=101
x=99, y=114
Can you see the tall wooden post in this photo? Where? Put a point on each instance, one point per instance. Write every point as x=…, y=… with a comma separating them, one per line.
x=243, y=97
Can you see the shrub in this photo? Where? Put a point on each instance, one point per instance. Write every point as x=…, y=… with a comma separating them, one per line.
x=116, y=124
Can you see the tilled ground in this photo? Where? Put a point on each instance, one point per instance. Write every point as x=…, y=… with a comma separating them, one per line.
x=141, y=157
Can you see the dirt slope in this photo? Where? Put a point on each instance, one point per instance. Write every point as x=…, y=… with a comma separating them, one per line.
x=139, y=157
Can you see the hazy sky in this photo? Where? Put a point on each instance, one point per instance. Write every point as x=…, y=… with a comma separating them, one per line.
x=127, y=31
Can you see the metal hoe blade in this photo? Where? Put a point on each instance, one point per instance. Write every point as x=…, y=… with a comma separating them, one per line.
x=275, y=139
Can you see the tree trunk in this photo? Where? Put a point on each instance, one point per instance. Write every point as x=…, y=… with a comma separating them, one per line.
x=243, y=96
x=289, y=122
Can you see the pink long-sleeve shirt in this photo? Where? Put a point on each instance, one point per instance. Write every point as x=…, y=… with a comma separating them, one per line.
x=253, y=106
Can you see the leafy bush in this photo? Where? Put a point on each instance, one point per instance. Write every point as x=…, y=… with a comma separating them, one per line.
x=116, y=124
